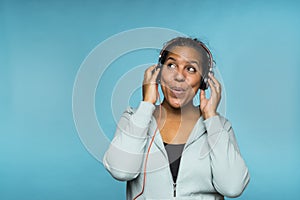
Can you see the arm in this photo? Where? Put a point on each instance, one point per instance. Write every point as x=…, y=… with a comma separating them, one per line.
x=230, y=174
x=125, y=155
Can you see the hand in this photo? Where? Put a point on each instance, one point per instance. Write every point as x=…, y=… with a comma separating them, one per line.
x=150, y=85
x=209, y=106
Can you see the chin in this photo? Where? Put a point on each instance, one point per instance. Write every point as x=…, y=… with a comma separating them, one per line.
x=177, y=103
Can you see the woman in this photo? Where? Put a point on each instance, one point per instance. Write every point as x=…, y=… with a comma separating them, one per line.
x=194, y=153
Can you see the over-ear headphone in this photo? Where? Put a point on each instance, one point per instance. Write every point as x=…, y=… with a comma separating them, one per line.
x=204, y=79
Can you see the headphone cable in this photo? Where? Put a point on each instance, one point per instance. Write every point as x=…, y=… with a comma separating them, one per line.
x=148, y=150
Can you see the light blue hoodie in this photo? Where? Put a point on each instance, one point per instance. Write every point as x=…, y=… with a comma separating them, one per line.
x=211, y=165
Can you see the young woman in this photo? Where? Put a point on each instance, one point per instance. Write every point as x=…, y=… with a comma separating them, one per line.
x=178, y=150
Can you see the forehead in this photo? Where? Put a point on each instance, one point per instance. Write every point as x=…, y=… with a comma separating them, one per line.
x=185, y=53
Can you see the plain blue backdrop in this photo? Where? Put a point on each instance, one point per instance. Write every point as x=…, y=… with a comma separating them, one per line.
x=42, y=44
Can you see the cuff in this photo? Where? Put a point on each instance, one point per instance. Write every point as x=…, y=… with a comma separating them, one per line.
x=143, y=114
x=214, y=124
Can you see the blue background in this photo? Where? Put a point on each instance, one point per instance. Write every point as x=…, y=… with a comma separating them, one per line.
x=42, y=44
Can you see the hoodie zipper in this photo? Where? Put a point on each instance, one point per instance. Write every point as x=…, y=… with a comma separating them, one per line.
x=188, y=142
x=174, y=189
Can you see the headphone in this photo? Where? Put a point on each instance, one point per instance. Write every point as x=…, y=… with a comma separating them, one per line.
x=204, y=78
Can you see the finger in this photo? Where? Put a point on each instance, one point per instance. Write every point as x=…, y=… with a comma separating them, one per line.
x=215, y=81
x=216, y=84
x=202, y=95
x=212, y=87
x=151, y=78
x=148, y=73
x=150, y=69
x=155, y=74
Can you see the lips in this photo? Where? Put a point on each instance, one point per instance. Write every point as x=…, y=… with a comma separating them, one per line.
x=178, y=91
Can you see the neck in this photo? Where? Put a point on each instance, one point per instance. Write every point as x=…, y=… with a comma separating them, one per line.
x=184, y=111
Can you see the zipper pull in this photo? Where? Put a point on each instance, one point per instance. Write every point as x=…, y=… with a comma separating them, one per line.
x=174, y=189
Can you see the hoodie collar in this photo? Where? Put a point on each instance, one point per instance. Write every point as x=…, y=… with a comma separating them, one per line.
x=198, y=131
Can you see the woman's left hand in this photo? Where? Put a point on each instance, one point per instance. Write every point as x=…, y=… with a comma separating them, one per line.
x=209, y=106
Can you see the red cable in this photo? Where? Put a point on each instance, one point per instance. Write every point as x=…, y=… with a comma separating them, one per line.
x=148, y=150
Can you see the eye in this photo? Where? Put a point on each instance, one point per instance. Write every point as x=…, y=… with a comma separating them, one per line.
x=171, y=66
x=191, y=69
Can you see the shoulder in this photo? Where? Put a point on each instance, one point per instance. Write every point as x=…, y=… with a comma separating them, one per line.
x=218, y=121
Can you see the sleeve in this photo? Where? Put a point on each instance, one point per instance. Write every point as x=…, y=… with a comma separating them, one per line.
x=125, y=155
x=230, y=174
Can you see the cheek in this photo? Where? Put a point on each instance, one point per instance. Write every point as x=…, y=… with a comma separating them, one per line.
x=165, y=75
x=194, y=83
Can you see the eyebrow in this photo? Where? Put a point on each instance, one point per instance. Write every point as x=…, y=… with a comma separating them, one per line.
x=192, y=61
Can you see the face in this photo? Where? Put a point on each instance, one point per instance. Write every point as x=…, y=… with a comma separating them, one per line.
x=181, y=75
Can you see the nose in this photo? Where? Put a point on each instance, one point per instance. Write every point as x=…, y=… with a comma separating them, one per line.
x=179, y=76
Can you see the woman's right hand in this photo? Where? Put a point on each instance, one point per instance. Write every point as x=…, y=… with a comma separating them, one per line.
x=150, y=84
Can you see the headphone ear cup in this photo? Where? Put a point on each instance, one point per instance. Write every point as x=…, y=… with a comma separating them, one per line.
x=203, y=83
x=159, y=66
x=158, y=78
